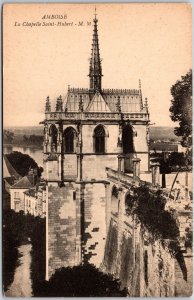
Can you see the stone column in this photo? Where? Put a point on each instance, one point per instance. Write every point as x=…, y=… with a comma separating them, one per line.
x=136, y=167
x=120, y=163
x=155, y=167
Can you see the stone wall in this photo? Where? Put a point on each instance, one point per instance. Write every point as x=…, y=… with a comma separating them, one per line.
x=158, y=271
x=122, y=256
x=94, y=217
x=62, y=231
x=76, y=224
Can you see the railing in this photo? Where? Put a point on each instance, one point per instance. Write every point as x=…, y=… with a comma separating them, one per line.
x=95, y=115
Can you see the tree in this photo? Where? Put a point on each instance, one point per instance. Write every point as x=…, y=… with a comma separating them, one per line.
x=80, y=281
x=8, y=136
x=22, y=163
x=181, y=108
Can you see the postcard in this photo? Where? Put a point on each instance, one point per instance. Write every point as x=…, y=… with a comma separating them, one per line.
x=97, y=150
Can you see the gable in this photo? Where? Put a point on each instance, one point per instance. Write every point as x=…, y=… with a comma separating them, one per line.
x=98, y=104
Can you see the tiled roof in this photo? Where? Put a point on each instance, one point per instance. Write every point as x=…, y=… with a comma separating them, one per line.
x=130, y=100
x=23, y=183
x=10, y=180
x=31, y=192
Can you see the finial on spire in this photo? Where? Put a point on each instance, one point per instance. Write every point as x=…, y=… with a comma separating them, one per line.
x=140, y=93
x=81, y=108
x=95, y=14
x=146, y=102
x=139, y=84
x=47, y=106
x=59, y=104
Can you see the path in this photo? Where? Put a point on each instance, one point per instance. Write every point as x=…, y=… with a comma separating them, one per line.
x=21, y=285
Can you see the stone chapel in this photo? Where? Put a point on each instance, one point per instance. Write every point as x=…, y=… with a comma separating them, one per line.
x=90, y=130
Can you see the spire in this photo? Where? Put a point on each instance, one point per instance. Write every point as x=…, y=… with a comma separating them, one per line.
x=59, y=104
x=47, y=106
x=95, y=71
x=140, y=93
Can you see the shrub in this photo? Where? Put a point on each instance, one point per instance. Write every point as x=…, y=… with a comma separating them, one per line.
x=81, y=281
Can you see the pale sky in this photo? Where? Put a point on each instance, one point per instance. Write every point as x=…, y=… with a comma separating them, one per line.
x=151, y=42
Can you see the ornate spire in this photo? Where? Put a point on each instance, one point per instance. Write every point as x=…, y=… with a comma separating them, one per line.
x=140, y=93
x=59, y=104
x=81, y=108
x=47, y=106
x=95, y=71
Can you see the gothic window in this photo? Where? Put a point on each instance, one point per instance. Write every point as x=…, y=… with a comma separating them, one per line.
x=127, y=135
x=69, y=137
x=99, y=139
x=53, y=132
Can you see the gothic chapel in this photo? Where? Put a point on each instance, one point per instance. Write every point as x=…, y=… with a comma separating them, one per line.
x=89, y=131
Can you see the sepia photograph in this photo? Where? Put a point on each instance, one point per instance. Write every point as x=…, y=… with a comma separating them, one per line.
x=97, y=150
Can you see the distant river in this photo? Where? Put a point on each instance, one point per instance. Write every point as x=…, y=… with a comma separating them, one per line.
x=36, y=154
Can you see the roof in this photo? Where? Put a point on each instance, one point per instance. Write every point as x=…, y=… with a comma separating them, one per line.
x=169, y=147
x=98, y=103
x=8, y=170
x=10, y=180
x=31, y=192
x=23, y=183
x=130, y=100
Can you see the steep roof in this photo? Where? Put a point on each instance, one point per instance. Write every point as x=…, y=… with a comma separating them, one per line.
x=98, y=104
x=8, y=170
x=23, y=183
x=130, y=100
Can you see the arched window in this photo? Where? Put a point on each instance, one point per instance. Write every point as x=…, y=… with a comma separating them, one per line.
x=53, y=132
x=99, y=139
x=69, y=138
x=127, y=137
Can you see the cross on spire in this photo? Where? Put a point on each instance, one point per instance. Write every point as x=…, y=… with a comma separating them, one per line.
x=95, y=14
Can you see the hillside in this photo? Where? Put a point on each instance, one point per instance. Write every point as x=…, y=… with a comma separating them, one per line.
x=156, y=132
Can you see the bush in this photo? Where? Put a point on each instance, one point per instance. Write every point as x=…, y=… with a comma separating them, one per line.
x=81, y=281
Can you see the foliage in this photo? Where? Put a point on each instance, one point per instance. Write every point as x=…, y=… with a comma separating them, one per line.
x=181, y=107
x=17, y=229
x=81, y=281
x=22, y=163
x=8, y=136
x=148, y=207
x=175, y=161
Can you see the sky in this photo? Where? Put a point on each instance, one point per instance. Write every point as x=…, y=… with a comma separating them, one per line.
x=151, y=42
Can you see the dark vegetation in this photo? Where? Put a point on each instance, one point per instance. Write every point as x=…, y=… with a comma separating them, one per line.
x=8, y=136
x=148, y=207
x=17, y=230
x=80, y=281
x=174, y=162
x=22, y=163
x=181, y=108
